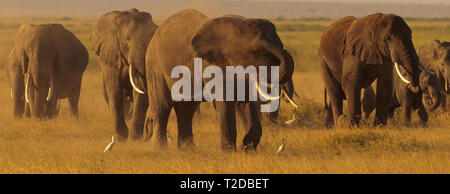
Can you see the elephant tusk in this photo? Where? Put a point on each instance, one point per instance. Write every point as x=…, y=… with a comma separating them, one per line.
x=26, y=89
x=264, y=95
x=446, y=81
x=400, y=75
x=50, y=89
x=130, y=72
x=290, y=121
x=12, y=97
x=289, y=99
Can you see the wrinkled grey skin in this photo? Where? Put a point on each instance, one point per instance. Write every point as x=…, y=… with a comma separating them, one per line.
x=222, y=41
x=436, y=56
x=426, y=100
x=120, y=38
x=43, y=52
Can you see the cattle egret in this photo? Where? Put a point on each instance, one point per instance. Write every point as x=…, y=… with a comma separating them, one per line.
x=281, y=148
x=110, y=145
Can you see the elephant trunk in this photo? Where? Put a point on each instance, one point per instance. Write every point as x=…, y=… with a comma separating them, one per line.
x=431, y=99
x=404, y=54
x=286, y=66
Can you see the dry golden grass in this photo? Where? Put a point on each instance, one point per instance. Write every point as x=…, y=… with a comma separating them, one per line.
x=67, y=145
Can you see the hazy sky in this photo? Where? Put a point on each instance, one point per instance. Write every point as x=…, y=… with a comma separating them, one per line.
x=375, y=1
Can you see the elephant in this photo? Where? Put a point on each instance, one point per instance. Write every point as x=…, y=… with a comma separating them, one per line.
x=221, y=42
x=426, y=100
x=120, y=40
x=354, y=52
x=45, y=65
x=436, y=56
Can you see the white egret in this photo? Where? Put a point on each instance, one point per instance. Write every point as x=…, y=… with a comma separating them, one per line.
x=281, y=148
x=110, y=145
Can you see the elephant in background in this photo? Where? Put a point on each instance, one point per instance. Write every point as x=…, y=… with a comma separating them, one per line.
x=436, y=56
x=426, y=100
x=220, y=42
x=120, y=39
x=354, y=52
x=45, y=65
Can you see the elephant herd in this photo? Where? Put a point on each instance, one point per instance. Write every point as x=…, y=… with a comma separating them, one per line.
x=137, y=56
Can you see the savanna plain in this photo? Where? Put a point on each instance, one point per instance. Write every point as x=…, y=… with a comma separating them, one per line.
x=69, y=145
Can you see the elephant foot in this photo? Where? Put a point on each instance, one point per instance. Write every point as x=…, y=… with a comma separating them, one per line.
x=229, y=148
x=344, y=122
x=186, y=144
x=136, y=136
x=379, y=122
x=249, y=148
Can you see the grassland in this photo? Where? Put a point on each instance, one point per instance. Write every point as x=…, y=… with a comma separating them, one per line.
x=67, y=145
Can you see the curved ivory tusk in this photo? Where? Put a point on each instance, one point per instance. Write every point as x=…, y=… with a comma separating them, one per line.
x=264, y=95
x=50, y=89
x=290, y=121
x=130, y=73
x=26, y=89
x=400, y=75
x=446, y=81
x=12, y=97
x=289, y=99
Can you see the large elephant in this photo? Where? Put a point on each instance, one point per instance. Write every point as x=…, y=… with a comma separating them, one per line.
x=220, y=42
x=436, y=56
x=120, y=39
x=426, y=100
x=354, y=52
x=45, y=65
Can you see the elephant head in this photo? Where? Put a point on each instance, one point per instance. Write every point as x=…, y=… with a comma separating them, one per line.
x=436, y=56
x=121, y=38
x=232, y=41
x=429, y=85
x=385, y=39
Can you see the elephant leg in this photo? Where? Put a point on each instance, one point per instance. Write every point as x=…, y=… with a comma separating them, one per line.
x=226, y=116
x=27, y=110
x=159, y=107
x=423, y=114
x=406, y=114
x=114, y=90
x=394, y=104
x=383, y=98
x=185, y=113
x=334, y=91
x=274, y=115
x=136, y=122
x=252, y=126
x=73, y=100
x=51, y=108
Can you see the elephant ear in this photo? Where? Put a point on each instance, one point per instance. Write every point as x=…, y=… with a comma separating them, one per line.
x=362, y=41
x=104, y=38
x=221, y=38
